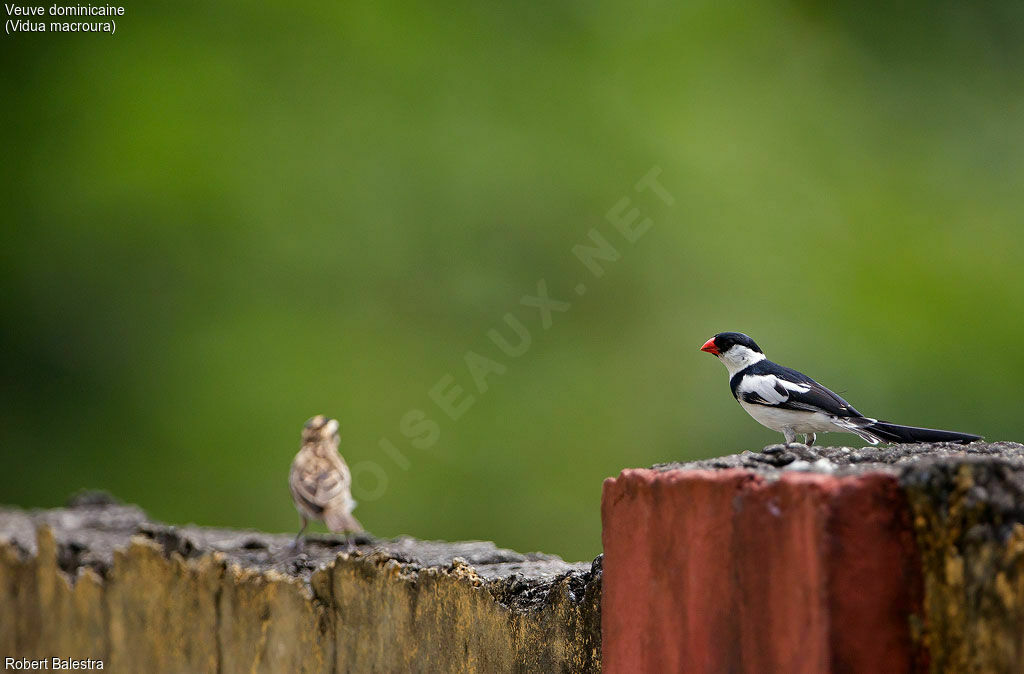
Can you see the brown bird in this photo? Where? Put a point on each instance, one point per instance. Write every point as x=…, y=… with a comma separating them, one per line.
x=320, y=481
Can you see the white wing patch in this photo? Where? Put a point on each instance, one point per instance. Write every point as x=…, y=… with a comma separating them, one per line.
x=770, y=388
x=793, y=386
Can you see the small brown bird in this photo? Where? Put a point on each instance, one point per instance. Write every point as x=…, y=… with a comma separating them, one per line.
x=320, y=481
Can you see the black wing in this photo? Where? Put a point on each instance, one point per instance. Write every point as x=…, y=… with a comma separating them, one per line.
x=766, y=383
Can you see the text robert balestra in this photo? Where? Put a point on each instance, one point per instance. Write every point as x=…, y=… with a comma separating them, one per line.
x=52, y=664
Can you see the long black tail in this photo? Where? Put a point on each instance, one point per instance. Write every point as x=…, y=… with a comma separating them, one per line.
x=887, y=432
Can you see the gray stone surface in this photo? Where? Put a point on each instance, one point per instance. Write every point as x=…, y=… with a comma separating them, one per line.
x=773, y=460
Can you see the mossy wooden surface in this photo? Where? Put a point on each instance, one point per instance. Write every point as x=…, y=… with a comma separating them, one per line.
x=101, y=581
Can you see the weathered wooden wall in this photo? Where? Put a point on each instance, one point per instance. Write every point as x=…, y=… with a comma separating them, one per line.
x=98, y=580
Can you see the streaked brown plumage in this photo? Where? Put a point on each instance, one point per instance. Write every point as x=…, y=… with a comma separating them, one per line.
x=320, y=481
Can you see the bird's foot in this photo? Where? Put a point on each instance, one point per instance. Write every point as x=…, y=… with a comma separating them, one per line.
x=297, y=546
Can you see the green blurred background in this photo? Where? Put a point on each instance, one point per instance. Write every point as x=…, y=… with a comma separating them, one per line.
x=228, y=217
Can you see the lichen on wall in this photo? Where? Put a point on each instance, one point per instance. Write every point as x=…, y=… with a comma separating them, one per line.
x=969, y=523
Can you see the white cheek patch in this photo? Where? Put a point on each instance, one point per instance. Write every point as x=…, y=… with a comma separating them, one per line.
x=739, y=357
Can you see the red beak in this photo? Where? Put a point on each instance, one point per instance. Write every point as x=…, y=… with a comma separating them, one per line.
x=710, y=347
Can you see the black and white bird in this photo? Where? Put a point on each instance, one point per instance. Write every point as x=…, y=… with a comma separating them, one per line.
x=792, y=403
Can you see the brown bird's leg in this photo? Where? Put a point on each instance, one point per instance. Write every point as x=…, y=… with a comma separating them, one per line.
x=298, y=543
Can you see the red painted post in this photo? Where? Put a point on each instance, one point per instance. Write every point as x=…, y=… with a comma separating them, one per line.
x=727, y=571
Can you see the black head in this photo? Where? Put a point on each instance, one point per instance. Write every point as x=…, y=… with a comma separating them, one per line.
x=724, y=341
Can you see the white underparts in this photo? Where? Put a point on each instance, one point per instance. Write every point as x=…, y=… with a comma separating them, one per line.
x=790, y=422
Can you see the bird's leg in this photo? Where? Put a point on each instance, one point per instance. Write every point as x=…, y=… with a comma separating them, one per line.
x=349, y=545
x=790, y=436
x=809, y=439
x=297, y=544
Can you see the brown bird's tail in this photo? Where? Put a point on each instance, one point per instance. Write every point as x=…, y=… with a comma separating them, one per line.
x=339, y=521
